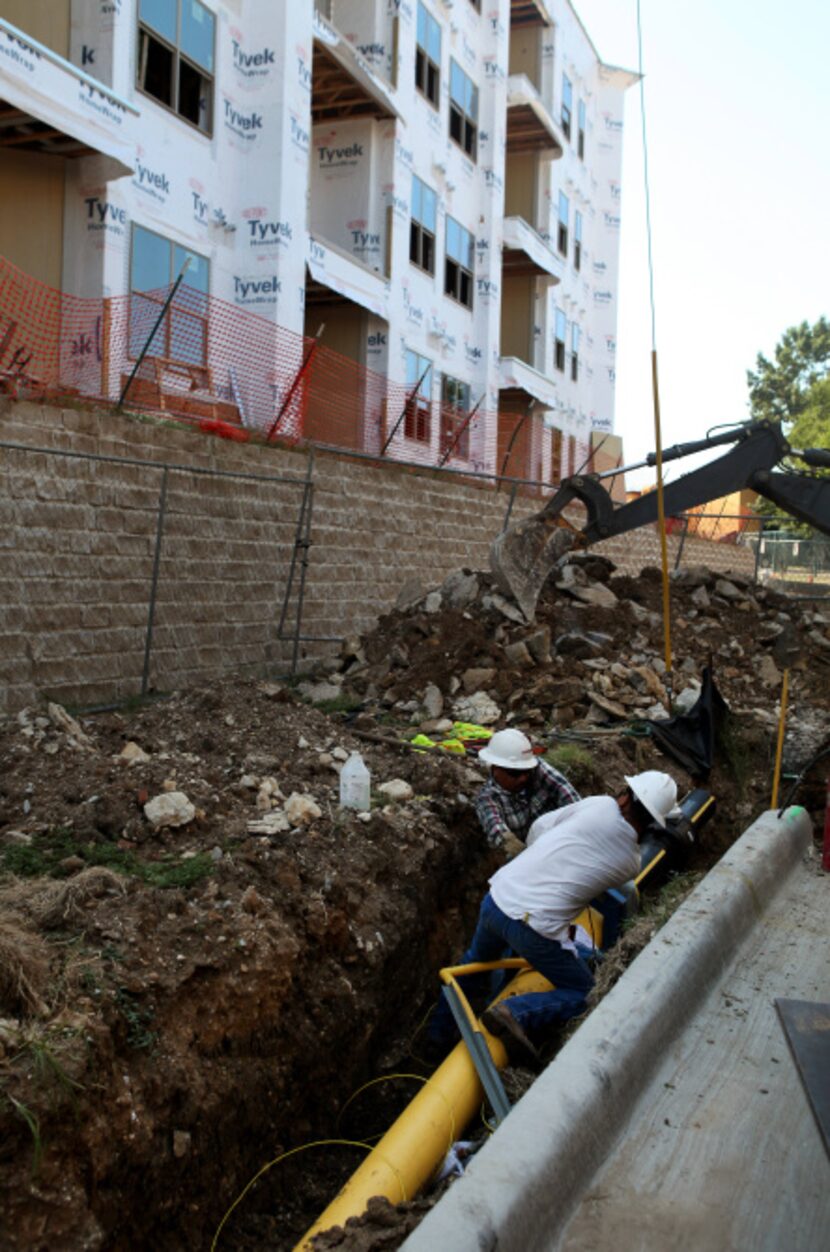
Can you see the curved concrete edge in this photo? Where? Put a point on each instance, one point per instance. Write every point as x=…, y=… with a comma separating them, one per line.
x=522, y=1186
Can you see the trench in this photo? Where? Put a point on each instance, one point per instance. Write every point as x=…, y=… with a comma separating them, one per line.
x=363, y=1103
x=292, y=1194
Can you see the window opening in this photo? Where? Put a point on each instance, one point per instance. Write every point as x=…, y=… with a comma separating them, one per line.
x=417, y=420
x=458, y=264
x=155, y=263
x=559, y=340
x=463, y=110
x=428, y=56
x=567, y=105
x=562, y=229
x=176, y=41
x=574, y=352
x=455, y=408
x=422, y=226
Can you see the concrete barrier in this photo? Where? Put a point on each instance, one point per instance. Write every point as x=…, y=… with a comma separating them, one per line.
x=520, y=1190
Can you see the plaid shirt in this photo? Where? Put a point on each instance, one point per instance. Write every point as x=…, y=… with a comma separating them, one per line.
x=500, y=811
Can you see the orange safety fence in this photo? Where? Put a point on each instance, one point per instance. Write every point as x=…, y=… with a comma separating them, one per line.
x=240, y=374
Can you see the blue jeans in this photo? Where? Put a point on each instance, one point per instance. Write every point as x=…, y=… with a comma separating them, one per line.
x=569, y=974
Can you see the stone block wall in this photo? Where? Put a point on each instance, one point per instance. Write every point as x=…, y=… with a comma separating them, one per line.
x=78, y=543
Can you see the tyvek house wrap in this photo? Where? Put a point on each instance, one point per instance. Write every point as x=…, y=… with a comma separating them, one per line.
x=236, y=197
x=268, y=196
x=40, y=84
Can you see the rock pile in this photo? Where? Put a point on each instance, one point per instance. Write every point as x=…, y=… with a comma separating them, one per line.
x=594, y=657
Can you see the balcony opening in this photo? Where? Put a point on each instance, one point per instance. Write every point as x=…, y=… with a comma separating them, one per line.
x=517, y=317
x=525, y=56
x=520, y=186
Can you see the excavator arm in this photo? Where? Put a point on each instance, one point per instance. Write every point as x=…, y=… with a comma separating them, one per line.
x=523, y=556
x=759, y=447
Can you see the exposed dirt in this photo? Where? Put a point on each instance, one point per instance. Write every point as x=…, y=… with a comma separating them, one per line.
x=181, y=1005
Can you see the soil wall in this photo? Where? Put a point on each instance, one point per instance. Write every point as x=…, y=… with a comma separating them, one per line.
x=79, y=537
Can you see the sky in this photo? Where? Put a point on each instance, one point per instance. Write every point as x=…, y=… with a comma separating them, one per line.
x=737, y=114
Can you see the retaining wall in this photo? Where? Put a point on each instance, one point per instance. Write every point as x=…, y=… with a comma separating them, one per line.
x=78, y=538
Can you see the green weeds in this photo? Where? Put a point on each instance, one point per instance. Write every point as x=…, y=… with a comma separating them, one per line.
x=577, y=764
x=736, y=753
x=43, y=858
x=33, y=1122
x=339, y=704
x=137, y=1018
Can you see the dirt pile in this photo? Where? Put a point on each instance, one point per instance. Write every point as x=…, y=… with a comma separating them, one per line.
x=202, y=956
x=592, y=666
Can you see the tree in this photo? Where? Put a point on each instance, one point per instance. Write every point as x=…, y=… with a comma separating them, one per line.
x=811, y=429
x=794, y=388
x=780, y=389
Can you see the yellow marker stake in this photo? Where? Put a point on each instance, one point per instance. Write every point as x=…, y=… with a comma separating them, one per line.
x=782, y=718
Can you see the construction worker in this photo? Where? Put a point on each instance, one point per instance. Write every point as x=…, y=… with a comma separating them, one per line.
x=573, y=855
x=521, y=788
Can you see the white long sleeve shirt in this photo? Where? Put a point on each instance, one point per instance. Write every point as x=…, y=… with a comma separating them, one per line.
x=572, y=855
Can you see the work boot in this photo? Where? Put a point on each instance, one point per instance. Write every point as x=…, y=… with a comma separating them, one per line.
x=501, y=1023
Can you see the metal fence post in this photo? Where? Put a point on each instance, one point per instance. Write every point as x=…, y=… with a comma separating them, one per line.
x=509, y=509
x=305, y=544
x=302, y=543
x=758, y=541
x=148, y=642
x=681, y=545
x=169, y=300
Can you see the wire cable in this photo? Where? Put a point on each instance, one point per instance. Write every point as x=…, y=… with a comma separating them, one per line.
x=372, y=1083
x=658, y=441
x=646, y=180
x=304, y=1147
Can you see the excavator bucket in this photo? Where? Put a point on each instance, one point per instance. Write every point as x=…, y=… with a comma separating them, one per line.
x=523, y=556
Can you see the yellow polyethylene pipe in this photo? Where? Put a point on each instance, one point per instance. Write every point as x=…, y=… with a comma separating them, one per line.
x=415, y=1145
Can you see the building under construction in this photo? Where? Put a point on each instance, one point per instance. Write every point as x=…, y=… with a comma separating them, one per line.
x=429, y=190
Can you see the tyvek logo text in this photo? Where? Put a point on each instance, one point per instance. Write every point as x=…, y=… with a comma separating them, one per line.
x=103, y=215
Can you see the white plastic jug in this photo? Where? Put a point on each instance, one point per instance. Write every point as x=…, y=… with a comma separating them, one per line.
x=355, y=784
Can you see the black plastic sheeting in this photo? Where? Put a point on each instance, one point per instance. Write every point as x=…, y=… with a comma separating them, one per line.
x=690, y=738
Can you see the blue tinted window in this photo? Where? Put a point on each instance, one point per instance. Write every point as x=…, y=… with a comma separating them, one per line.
x=156, y=263
x=151, y=261
x=197, y=33
x=459, y=244
x=457, y=83
x=421, y=33
x=416, y=367
x=563, y=208
x=196, y=275
x=161, y=15
x=429, y=203
x=417, y=187
x=463, y=91
x=424, y=204
x=561, y=325
x=429, y=35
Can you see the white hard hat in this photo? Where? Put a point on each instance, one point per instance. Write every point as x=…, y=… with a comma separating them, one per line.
x=656, y=791
x=510, y=749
